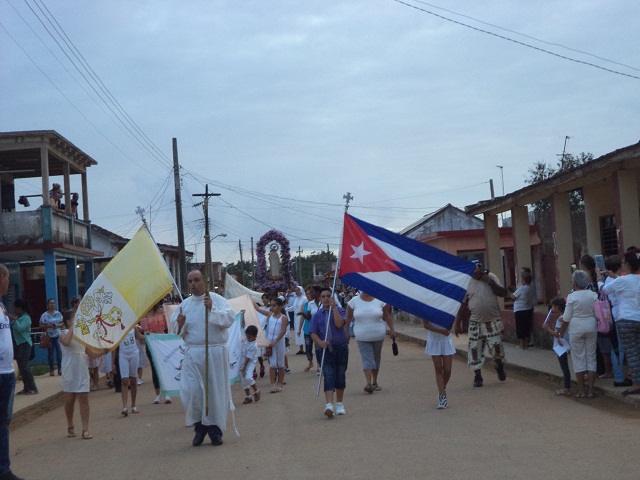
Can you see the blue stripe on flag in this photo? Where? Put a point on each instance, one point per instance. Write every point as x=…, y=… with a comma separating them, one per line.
x=431, y=283
x=398, y=300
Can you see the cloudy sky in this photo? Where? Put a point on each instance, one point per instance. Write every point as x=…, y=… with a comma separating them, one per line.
x=283, y=106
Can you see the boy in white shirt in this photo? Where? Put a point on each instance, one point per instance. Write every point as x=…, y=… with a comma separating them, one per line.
x=249, y=357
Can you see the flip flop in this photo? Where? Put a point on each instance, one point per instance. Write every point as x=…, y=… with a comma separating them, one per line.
x=70, y=432
x=86, y=435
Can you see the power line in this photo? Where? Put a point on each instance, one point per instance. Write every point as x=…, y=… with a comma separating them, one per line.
x=518, y=42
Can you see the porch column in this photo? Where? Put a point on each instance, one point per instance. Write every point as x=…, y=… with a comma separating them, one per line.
x=592, y=221
x=88, y=274
x=66, y=169
x=72, y=278
x=562, y=241
x=627, y=209
x=50, y=276
x=521, y=237
x=85, y=197
x=44, y=167
x=492, y=239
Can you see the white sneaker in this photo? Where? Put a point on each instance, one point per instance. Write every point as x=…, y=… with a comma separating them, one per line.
x=157, y=400
x=340, y=409
x=167, y=400
x=140, y=381
x=442, y=402
x=328, y=410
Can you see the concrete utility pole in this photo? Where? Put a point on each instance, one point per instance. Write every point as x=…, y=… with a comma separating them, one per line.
x=182, y=256
x=300, y=265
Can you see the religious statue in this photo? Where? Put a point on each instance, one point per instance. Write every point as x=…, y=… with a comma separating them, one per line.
x=274, y=262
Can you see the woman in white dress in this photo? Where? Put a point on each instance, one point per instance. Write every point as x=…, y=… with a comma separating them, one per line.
x=75, y=377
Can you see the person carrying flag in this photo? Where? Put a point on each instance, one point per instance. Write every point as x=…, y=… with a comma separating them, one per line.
x=485, y=326
x=336, y=350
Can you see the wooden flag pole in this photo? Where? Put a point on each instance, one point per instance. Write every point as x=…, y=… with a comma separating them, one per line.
x=348, y=199
x=207, y=273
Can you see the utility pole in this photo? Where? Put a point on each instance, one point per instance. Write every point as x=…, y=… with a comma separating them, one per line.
x=564, y=151
x=241, y=263
x=182, y=257
x=253, y=267
x=300, y=265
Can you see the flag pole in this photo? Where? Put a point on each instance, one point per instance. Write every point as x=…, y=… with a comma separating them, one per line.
x=348, y=199
x=140, y=211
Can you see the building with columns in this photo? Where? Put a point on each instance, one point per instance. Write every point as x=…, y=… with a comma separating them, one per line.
x=611, y=214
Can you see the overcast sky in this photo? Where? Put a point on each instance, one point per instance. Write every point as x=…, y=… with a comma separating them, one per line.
x=283, y=106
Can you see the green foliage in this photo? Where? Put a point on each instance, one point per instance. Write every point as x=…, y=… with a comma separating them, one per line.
x=541, y=171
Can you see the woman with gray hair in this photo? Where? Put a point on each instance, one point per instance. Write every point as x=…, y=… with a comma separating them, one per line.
x=580, y=318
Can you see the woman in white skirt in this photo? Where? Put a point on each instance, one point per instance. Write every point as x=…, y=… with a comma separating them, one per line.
x=440, y=347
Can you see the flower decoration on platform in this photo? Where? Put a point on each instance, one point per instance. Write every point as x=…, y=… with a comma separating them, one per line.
x=264, y=281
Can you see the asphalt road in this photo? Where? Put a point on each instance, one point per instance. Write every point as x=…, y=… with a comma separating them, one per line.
x=511, y=430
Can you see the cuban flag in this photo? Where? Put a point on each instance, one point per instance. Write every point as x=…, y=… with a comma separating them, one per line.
x=414, y=277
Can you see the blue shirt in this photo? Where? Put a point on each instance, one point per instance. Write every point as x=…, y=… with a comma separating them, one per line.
x=318, y=326
x=53, y=322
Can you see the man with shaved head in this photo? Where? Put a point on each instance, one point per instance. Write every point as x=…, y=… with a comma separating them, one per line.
x=188, y=321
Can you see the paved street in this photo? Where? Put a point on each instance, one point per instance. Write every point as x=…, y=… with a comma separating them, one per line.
x=515, y=429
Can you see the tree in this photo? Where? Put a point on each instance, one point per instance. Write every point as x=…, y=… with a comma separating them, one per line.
x=542, y=171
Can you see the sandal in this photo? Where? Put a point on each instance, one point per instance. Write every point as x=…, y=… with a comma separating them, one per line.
x=368, y=388
x=86, y=435
x=580, y=395
x=563, y=391
x=376, y=387
x=125, y=412
x=307, y=368
x=70, y=432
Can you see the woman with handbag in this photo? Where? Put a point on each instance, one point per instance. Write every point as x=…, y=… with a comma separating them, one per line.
x=51, y=321
x=21, y=327
x=580, y=318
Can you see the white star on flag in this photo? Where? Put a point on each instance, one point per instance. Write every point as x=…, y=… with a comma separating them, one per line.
x=359, y=252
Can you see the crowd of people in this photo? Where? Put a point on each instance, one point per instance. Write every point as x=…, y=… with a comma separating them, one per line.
x=321, y=324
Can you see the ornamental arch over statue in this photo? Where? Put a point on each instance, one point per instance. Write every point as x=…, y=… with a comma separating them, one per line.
x=277, y=276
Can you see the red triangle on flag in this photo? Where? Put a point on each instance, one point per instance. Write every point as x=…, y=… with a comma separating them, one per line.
x=360, y=254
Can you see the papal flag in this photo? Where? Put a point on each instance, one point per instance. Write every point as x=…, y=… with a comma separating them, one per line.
x=420, y=279
x=128, y=287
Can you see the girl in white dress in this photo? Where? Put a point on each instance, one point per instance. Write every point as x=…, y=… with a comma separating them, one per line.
x=75, y=378
x=440, y=347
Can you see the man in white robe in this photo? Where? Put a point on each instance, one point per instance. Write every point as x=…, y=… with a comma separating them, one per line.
x=189, y=322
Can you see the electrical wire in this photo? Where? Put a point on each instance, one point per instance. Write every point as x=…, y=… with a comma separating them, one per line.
x=518, y=42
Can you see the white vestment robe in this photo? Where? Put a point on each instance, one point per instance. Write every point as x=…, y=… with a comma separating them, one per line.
x=192, y=383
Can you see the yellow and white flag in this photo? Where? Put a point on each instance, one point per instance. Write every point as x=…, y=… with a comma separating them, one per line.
x=128, y=287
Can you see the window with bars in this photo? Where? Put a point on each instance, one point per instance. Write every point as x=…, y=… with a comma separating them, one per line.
x=608, y=235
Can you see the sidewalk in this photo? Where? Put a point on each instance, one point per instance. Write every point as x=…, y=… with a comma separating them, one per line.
x=532, y=362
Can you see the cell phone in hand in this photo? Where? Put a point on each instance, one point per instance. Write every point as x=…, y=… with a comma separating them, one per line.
x=599, y=262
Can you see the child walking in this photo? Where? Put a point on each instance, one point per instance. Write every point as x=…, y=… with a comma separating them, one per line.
x=560, y=344
x=440, y=347
x=249, y=357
